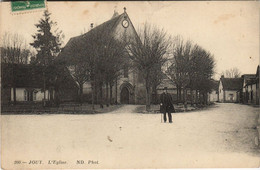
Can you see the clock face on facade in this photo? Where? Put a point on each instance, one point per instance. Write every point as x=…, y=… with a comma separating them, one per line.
x=125, y=23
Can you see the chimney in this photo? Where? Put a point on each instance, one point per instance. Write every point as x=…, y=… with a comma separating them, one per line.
x=124, y=9
x=91, y=25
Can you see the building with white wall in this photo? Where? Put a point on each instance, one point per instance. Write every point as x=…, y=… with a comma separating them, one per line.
x=227, y=89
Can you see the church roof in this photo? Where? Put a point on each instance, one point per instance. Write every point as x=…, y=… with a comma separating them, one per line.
x=79, y=41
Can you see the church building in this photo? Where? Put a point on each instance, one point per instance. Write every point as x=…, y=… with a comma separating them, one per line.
x=129, y=88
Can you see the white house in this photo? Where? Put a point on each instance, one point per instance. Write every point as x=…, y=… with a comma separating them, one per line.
x=227, y=89
x=213, y=95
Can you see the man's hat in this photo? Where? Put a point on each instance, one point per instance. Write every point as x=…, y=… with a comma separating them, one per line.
x=165, y=88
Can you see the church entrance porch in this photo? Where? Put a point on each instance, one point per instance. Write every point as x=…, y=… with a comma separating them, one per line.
x=126, y=93
x=124, y=96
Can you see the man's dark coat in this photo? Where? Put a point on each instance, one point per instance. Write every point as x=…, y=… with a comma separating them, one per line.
x=166, y=101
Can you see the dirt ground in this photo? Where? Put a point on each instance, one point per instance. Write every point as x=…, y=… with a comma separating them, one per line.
x=221, y=136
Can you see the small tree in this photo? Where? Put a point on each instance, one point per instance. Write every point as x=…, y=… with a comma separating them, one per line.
x=148, y=51
x=202, y=70
x=47, y=42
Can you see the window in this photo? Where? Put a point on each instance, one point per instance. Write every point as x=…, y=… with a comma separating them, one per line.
x=125, y=71
x=25, y=95
x=231, y=97
x=34, y=95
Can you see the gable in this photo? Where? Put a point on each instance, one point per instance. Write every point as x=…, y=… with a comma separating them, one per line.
x=120, y=31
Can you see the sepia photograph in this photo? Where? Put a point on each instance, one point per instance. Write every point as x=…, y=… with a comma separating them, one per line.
x=129, y=85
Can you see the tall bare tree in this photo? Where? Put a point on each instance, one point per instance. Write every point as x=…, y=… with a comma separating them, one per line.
x=192, y=67
x=179, y=69
x=14, y=50
x=148, y=51
x=231, y=73
x=80, y=72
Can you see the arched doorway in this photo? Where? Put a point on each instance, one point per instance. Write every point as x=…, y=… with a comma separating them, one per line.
x=124, y=96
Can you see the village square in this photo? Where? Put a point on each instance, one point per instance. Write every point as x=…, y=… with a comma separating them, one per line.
x=96, y=96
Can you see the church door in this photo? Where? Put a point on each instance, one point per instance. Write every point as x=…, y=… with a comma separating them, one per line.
x=124, y=97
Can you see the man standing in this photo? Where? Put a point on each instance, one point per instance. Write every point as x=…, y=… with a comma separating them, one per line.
x=166, y=105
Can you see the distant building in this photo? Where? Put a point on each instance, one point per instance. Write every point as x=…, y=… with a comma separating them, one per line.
x=26, y=83
x=213, y=95
x=246, y=88
x=251, y=91
x=251, y=88
x=227, y=89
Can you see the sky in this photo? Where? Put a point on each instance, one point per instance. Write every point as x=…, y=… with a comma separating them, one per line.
x=229, y=30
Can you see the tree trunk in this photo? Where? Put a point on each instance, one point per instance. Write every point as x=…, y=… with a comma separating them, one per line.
x=14, y=94
x=44, y=89
x=148, y=95
x=196, y=97
x=180, y=98
x=51, y=95
x=107, y=101
x=100, y=95
x=203, y=95
x=93, y=95
x=200, y=98
x=155, y=96
x=81, y=93
x=116, y=92
x=14, y=84
x=185, y=97
x=111, y=93
x=207, y=99
x=148, y=101
x=177, y=93
x=191, y=97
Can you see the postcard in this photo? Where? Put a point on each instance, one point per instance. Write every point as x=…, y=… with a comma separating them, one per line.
x=129, y=85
